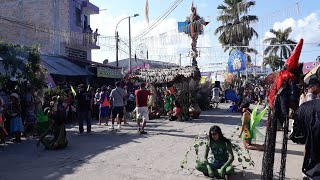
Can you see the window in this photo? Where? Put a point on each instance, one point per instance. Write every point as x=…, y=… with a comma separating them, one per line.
x=78, y=17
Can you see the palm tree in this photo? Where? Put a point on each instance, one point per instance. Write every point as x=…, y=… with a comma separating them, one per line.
x=273, y=61
x=235, y=29
x=280, y=42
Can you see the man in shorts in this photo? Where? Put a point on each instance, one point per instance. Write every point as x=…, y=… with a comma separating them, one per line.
x=117, y=97
x=142, y=107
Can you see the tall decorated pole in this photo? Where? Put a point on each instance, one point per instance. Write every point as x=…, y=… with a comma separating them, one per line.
x=193, y=26
x=195, y=23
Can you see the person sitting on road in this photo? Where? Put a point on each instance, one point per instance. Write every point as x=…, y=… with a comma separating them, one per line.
x=59, y=141
x=246, y=133
x=154, y=111
x=177, y=112
x=221, y=148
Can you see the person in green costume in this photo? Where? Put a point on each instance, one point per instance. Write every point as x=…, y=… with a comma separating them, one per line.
x=56, y=126
x=221, y=149
x=247, y=134
x=169, y=99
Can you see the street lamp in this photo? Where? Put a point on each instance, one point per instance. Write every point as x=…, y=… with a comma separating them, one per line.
x=117, y=40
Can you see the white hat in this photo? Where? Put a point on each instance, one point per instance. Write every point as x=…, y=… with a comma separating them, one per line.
x=15, y=95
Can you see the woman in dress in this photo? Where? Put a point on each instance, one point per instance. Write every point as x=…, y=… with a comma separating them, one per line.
x=247, y=134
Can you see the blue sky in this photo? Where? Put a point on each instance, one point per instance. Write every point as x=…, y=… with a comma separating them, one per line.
x=271, y=14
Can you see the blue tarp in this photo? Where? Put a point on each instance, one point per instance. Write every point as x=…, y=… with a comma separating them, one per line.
x=229, y=94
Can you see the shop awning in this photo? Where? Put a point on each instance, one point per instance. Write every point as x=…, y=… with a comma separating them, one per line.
x=60, y=66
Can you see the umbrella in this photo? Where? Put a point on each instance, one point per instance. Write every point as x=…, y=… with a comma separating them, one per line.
x=311, y=74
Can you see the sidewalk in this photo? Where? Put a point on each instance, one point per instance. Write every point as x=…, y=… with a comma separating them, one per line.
x=104, y=154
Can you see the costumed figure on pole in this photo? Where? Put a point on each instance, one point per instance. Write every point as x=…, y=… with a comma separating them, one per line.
x=284, y=95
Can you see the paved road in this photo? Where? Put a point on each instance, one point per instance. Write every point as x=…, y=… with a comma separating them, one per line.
x=127, y=155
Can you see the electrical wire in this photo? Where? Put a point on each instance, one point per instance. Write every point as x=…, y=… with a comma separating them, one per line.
x=159, y=20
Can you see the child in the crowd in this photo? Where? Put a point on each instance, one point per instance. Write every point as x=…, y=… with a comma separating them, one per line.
x=69, y=107
x=246, y=132
x=16, y=126
x=104, y=100
x=177, y=112
x=154, y=111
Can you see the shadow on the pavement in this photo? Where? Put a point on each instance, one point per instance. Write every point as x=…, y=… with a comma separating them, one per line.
x=292, y=152
x=178, y=135
x=37, y=163
x=246, y=175
x=216, y=119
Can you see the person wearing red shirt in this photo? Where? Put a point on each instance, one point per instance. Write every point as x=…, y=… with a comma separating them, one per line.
x=142, y=107
x=177, y=112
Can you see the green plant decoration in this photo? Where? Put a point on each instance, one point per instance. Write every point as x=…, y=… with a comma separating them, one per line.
x=242, y=155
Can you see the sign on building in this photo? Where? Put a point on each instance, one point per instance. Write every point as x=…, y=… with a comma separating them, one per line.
x=108, y=73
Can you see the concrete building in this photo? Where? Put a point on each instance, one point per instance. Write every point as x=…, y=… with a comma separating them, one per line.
x=59, y=26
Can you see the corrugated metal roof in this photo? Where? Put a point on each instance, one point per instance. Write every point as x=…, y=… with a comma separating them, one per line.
x=61, y=66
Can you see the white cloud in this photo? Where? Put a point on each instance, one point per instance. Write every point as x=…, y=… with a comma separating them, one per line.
x=306, y=28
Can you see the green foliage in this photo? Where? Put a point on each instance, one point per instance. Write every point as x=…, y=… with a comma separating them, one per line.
x=280, y=38
x=236, y=29
x=242, y=155
x=274, y=62
x=25, y=58
x=55, y=92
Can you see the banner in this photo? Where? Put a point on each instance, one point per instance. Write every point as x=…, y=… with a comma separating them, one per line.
x=237, y=61
x=108, y=73
x=183, y=27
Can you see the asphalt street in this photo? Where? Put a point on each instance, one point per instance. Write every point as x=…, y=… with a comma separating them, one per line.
x=109, y=155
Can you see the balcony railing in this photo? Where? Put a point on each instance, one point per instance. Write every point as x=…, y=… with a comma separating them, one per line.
x=81, y=40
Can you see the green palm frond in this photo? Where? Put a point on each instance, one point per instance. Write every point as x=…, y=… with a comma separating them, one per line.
x=236, y=27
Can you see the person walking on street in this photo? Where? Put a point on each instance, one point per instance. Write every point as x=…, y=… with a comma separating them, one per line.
x=117, y=97
x=104, y=110
x=142, y=107
x=83, y=98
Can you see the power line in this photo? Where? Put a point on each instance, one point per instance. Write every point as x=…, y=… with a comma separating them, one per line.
x=159, y=20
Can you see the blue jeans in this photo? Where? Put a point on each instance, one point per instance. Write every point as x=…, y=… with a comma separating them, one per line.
x=87, y=117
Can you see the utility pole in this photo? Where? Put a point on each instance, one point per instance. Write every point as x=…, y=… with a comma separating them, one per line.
x=180, y=60
x=129, y=45
x=117, y=48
